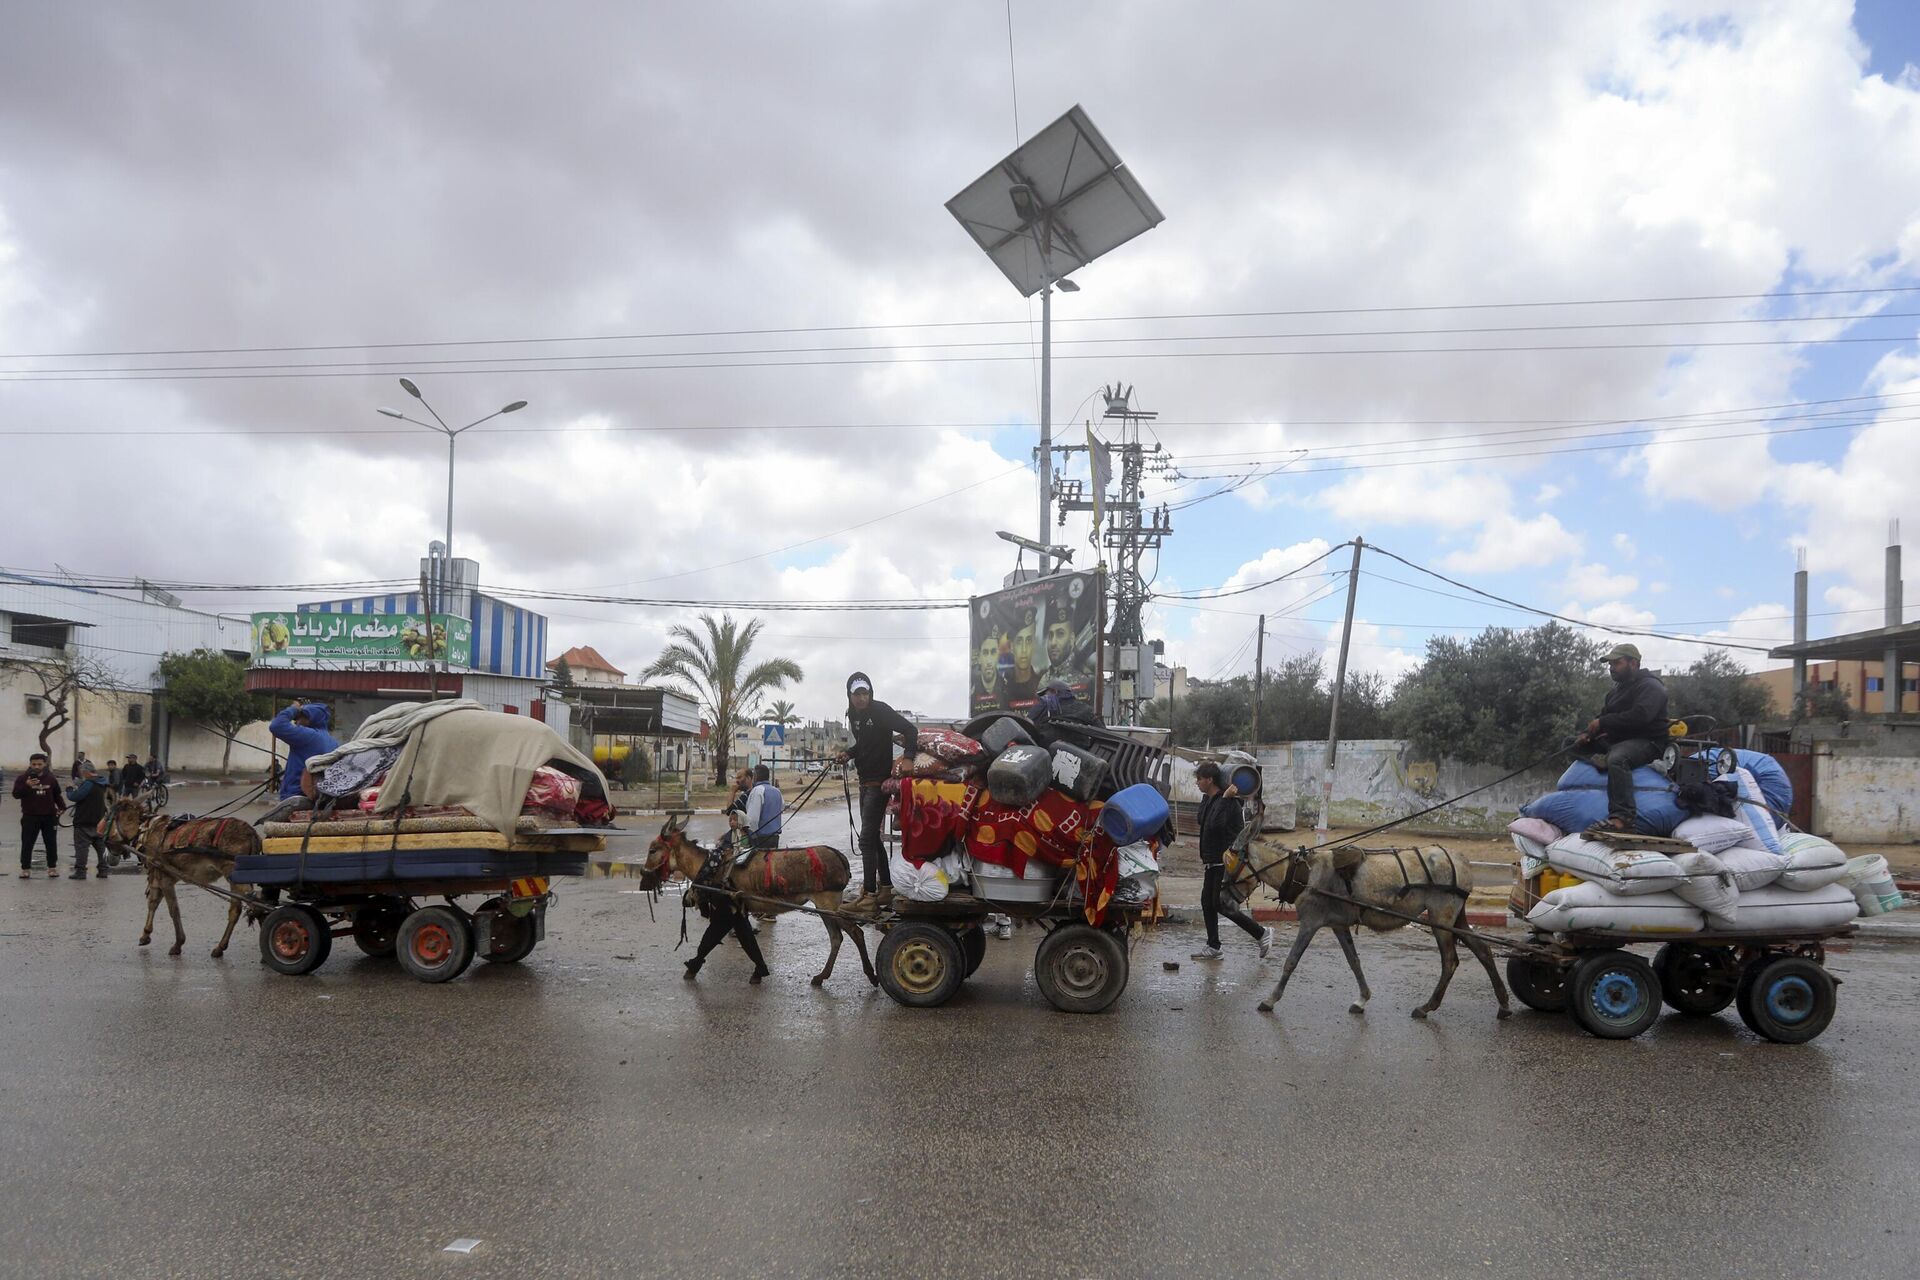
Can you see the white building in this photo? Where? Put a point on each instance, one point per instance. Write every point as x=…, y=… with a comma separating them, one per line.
x=127, y=634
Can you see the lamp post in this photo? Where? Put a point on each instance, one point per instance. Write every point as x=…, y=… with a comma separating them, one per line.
x=1031, y=212
x=452, y=434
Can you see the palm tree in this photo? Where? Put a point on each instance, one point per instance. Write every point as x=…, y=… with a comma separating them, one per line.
x=714, y=667
x=783, y=714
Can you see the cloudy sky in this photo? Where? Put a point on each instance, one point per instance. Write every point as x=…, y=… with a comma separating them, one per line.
x=708, y=245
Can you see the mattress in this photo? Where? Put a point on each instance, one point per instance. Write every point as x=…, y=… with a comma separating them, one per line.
x=281, y=846
x=439, y=862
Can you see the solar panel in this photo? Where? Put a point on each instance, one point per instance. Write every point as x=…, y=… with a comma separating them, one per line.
x=1083, y=202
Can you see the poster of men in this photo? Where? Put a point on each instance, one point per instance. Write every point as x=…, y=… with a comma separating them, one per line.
x=1025, y=636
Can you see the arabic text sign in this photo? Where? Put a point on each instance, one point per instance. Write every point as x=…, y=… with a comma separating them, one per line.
x=375, y=639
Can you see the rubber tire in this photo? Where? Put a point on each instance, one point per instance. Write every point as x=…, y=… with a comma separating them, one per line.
x=1080, y=969
x=520, y=935
x=1695, y=981
x=921, y=965
x=294, y=940
x=1537, y=984
x=1615, y=995
x=1789, y=1000
x=376, y=927
x=435, y=944
x=973, y=945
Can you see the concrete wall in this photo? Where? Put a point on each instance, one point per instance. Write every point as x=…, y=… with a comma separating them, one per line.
x=1867, y=799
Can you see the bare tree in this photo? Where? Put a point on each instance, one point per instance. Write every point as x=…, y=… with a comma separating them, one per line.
x=63, y=675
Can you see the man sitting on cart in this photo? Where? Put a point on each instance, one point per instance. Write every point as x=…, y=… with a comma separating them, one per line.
x=1630, y=731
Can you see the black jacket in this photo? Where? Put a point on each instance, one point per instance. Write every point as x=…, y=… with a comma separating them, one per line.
x=1635, y=708
x=1220, y=823
x=873, y=730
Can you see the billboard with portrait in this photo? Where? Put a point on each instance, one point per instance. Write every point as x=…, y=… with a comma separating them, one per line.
x=1027, y=635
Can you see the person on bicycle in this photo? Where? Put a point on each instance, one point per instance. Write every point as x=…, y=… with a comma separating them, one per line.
x=1630, y=731
x=90, y=798
x=131, y=776
x=156, y=772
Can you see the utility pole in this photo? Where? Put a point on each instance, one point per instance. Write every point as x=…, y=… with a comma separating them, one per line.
x=1339, y=682
x=1259, y=675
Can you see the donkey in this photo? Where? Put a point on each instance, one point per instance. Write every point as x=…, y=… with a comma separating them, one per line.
x=201, y=851
x=771, y=881
x=1382, y=889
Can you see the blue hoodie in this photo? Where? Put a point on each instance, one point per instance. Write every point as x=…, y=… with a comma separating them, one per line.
x=303, y=741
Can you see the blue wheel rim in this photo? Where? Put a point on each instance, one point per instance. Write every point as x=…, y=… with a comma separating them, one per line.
x=1618, y=995
x=1790, y=1000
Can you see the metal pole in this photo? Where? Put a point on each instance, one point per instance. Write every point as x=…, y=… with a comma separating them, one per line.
x=1100, y=645
x=1046, y=422
x=1800, y=635
x=446, y=567
x=1339, y=682
x=1259, y=673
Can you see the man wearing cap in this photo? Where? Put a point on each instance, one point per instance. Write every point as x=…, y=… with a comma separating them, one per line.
x=1630, y=731
x=873, y=725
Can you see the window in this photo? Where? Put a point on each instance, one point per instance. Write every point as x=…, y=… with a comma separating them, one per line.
x=43, y=633
x=36, y=706
x=135, y=713
x=1873, y=684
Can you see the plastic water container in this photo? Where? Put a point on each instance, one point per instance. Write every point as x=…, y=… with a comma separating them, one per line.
x=1245, y=778
x=1078, y=772
x=1019, y=774
x=1872, y=883
x=1003, y=733
x=1134, y=813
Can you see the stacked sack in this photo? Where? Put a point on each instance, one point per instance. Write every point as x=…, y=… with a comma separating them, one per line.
x=1744, y=874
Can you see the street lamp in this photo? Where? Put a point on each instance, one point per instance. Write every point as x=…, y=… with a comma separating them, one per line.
x=452, y=434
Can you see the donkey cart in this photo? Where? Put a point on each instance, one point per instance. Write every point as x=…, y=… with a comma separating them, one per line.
x=927, y=949
x=1778, y=982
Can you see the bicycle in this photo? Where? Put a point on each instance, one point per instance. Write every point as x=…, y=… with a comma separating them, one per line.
x=153, y=794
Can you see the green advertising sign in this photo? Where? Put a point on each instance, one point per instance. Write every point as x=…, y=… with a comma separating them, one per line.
x=371, y=639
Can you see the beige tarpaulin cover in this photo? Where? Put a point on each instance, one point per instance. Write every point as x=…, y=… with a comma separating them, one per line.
x=483, y=760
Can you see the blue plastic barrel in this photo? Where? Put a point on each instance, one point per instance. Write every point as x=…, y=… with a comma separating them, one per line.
x=1245, y=778
x=1135, y=813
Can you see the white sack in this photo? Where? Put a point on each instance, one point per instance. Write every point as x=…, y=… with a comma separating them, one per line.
x=1777, y=910
x=1623, y=871
x=1708, y=887
x=1710, y=833
x=1137, y=859
x=1811, y=863
x=1533, y=855
x=1582, y=907
x=1752, y=809
x=1538, y=830
x=1751, y=868
x=926, y=883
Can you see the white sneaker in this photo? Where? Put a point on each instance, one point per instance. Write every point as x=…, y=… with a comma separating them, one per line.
x=1266, y=941
x=1208, y=953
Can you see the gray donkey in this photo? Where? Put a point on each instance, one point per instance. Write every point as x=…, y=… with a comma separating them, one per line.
x=1382, y=889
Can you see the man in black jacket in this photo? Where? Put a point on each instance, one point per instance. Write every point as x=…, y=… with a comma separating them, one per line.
x=1630, y=731
x=90, y=799
x=873, y=726
x=1220, y=823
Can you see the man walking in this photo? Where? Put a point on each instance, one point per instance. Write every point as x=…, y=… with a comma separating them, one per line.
x=40, y=806
x=113, y=774
x=761, y=822
x=1220, y=823
x=1630, y=731
x=873, y=726
x=90, y=799
x=131, y=776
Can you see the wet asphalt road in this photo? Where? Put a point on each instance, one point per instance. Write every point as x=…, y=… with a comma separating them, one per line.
x=588, y=1113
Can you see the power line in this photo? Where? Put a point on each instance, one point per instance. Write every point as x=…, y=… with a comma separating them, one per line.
x=954, y=324
x=1221, y=593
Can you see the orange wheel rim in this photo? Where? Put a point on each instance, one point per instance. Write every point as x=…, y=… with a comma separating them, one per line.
x=432, y=944
x=290, y=940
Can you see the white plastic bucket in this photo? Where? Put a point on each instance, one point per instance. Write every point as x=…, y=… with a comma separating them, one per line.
x=1872, y=883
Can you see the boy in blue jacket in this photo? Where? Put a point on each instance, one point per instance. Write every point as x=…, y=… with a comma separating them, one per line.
x=303, y=727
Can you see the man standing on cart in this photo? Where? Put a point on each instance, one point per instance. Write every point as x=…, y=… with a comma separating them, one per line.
x=873, y=726
x=1629, y=732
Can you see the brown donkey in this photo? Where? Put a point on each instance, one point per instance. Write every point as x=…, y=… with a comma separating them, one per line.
x=200, y=850
x=1383, y=889
x=771, y=882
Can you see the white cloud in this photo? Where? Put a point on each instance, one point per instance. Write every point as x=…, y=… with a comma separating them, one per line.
x=1593, y=583
x=1507, y=542
x=1623, y=546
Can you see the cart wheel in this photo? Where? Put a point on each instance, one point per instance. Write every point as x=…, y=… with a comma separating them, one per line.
x=377, y=925
x=511, y=938
x=973, y=946
x=435, y=944
x=1789, y=1000
x=1538, y=985
x=921, y=965
x=1080, y=969
x=1614, y=994
x=1697, y=981
x=294, y=939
